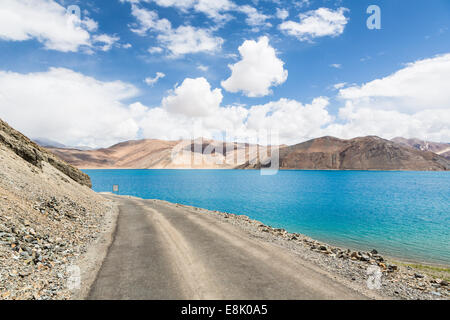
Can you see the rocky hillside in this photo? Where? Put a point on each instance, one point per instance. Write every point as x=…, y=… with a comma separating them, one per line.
x=442, y=149
x=36, y=155
x=48, y=217
x=365, y=153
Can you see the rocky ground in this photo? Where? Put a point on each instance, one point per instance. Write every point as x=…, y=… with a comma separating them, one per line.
x=47, y=221
x=398, y=281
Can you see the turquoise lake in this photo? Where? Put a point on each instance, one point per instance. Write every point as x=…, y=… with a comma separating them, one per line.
x=401, y=214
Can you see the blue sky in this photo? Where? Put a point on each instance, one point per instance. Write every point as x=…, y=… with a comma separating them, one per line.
x=303, y=68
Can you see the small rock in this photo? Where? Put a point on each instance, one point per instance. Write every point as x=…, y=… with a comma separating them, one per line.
x=354, y=255
x=24, y=274
x=364, y=257
x=392, y=267
x=378, y=258
x=418, y=276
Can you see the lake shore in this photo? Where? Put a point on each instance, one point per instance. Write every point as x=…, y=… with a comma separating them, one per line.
x=350, y=268
x=381, y=210
x=400, y=279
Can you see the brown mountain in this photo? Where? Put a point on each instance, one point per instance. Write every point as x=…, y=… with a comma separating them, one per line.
x=327, y=153
x=365, y=153
x=159, y=154
x=442, y=149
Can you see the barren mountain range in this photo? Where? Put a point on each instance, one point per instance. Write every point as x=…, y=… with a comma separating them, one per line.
x=364, y=153
x=326, y=153
x=160, y=154
x=442, y=149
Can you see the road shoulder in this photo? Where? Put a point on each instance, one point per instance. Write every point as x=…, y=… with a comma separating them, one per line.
x=89, y=264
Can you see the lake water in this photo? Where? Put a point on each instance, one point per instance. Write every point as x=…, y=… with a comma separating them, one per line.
x=401, y=214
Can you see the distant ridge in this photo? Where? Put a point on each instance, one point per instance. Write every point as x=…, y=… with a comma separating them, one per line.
x=326, y=153
x=48, y=143
x=160, y=154
x=363, y=153
x=439, y=148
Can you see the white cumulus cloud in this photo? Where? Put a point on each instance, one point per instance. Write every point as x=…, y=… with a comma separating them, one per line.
x=317, y=23
x=412, y=102
x=420, y=85
x=193, y=97
x=295, y=122
x=202, y=68
x=76, y=109
x=106, y=41
x=336, y=65
x=194, y=105
x=254, y=17
x=187, y=39
x=68, y=107
x=154, y=50
x=152, y=81
x=148, y=21
x=282, y=14
x=258, y=70
x=49, y=23
x=179, y=41
x=217, y=10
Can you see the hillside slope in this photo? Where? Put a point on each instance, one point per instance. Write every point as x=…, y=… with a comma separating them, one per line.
x=365, y=153
x=159, y=154
x=442, y=149
x=36, y=155
x=48, y=217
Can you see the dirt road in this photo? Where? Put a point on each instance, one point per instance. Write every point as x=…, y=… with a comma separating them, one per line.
x=161, y=251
